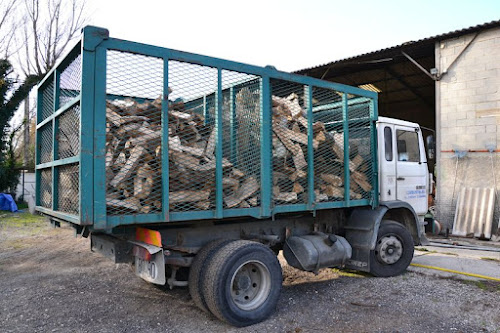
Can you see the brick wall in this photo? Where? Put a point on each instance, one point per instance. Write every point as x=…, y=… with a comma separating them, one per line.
x=468, y=116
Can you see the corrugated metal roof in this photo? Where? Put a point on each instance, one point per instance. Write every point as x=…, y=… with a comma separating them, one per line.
x=411, y=44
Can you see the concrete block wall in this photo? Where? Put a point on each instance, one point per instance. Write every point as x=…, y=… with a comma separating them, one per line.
x=467, y=117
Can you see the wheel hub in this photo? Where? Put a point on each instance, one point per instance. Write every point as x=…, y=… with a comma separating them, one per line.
x=250, y=285
x=389, y=250
x=243, y=282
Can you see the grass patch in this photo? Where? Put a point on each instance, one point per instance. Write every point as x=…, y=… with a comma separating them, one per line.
x=486, y=285
x=490, y=259
x=423, y=249
x=351, y=273
x=21, y=219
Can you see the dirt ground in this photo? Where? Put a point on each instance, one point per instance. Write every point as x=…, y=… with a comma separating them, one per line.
x=50, y=281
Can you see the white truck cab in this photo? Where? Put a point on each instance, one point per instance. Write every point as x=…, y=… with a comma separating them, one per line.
x=403, y=170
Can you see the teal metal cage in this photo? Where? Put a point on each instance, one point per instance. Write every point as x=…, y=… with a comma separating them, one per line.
x=235, y=102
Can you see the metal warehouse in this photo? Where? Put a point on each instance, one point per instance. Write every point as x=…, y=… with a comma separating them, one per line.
x=448, y=83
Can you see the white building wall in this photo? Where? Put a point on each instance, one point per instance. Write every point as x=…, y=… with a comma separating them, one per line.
x=468, y=116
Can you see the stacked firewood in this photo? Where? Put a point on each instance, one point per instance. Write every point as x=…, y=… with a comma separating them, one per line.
x=290, y=145
x=133, y=158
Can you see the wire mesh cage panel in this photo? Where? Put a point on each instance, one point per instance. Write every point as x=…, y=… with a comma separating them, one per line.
x=68, y=188
x=68, y=133
x=328, y=131
x=241, y=139
x=45, y=143
x=47, y=96
x=192, y=136
x=289, y=142
x=46, y=188
x=134, y=88
x=361, y=147
x=70, y=81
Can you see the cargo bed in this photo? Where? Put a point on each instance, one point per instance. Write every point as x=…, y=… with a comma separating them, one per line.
x=243, y=141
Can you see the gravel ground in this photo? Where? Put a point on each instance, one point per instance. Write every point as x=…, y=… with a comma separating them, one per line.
x=51, y=282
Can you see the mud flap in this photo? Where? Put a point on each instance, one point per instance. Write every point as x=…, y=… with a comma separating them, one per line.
x=149, y=262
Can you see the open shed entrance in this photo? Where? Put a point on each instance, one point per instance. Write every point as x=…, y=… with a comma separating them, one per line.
x=401, y=76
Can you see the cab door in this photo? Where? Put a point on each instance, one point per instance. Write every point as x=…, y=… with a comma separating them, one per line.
x=387, y=162
x=411, y=168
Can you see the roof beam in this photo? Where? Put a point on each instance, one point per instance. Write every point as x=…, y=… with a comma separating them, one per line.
x=398, y=78
x=413, y=61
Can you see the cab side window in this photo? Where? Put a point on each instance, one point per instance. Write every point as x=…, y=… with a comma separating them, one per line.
x=388, y=143
x=407, y=142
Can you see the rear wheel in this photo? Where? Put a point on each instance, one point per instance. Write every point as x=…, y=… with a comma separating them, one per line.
x=243, y=283
x=197, y=271
x=393, y=251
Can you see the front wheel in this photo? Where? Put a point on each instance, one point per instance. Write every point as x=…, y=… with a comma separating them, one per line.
x=393, y=251
x=243, y=283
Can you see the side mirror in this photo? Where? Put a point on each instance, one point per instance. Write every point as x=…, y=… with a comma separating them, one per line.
x=431, y=146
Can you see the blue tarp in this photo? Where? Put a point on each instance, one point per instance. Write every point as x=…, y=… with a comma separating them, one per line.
x=7, y=202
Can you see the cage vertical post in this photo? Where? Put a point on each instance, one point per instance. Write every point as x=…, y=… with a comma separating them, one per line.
x=265, y=149
x=55, y=121
x=100, y=138
x=164, y=144
x=310, y=150
x=218, y=148
x=345, y=127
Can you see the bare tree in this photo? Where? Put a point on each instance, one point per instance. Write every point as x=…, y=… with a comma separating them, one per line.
x=50, y=26
x=9, y=22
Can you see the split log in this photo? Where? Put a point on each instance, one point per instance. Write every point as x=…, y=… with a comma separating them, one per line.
x=187, y=196
x=320, y=196
x=334, y=191
x=299, y=160
x=331, y=179
x=143, y=182
x=355, y=195
x=281, y=133
x=180, y=115
x=244, y=204
x=237, y=173
x=286, y=196
x=113, y=117
x=129, y=166
x=303, y=121
x=252, y=201
x=290, y=105
x=361, y=180
x=279, y=150
x=297, y=188
x=247, y=189
x=277, y=176
x=202, y=205
x=228, y=182
x=338, y=146
x=210, y=149
x=285, y=134
x=320, y=137
x=276, y=190
x=130, y=203
x=297, y=174
x=355, y=162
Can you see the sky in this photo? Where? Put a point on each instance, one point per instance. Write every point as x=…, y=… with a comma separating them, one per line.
x=289, y=35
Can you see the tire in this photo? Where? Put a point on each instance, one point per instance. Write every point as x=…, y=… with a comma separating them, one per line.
x=197, y=270
x=393, y=251
x=243, y=283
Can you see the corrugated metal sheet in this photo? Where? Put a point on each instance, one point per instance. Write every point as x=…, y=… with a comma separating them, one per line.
x=474, y=212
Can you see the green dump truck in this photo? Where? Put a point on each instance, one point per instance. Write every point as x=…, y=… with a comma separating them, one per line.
x=199, y=171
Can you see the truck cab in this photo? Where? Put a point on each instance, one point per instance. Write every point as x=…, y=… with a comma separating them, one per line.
x=403, y=171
